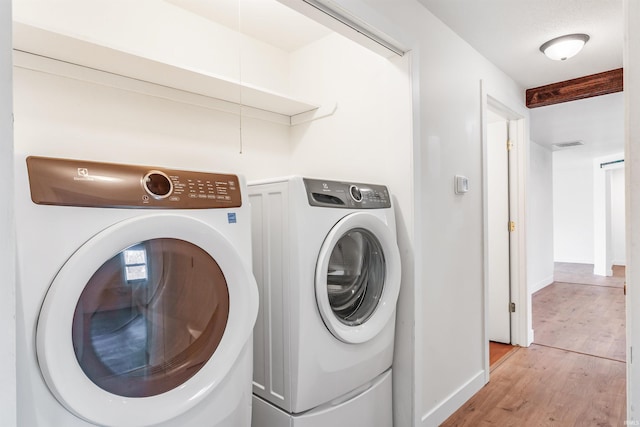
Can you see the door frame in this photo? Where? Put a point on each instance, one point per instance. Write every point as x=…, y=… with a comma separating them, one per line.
x=521, y=322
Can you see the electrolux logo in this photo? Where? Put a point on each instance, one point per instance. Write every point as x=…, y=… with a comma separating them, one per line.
x=83, y=175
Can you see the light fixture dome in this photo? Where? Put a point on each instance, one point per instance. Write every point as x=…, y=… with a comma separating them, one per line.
x=564, y=47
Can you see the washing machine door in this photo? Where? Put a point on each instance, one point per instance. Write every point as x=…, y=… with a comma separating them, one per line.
x=146, y=318
x=358, y=277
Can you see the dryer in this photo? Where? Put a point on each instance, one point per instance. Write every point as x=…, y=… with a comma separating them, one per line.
x=327, y=265
x=136, y=301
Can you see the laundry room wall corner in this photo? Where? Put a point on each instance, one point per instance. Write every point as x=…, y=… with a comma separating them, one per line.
x=7, y=242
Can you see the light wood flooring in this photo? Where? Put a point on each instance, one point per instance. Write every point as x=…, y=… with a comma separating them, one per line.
x=574, y=374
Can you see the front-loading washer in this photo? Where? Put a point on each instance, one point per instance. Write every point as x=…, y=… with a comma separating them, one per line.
x=136, y=301
x=327, y=264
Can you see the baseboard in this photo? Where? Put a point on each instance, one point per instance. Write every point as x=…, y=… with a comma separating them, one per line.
x=574, y=261
x=454, y=401
x=621, y=263
x=541, y=284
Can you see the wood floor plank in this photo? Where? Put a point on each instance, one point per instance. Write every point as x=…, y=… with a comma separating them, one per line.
x=540, y=386
x=583, y=274
x=586, y=319
x=575, y=374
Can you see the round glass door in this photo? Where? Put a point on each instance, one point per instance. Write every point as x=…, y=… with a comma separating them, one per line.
x=150, y=317
x=357, y=278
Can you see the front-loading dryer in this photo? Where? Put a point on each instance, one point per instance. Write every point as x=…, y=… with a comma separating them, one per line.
x=327, y=264
x=136, y=301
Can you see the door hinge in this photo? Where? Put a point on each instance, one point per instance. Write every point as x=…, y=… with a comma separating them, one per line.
x=512, y=307
x=509, y=145
x=512, y=226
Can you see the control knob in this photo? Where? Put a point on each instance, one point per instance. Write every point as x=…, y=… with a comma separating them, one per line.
x=355, y=192
x=157, y=184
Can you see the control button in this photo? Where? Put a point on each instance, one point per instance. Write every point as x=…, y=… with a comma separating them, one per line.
x=355, y=193
x=157, y=184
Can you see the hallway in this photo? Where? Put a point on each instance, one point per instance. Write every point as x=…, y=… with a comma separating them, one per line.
x=575, y=372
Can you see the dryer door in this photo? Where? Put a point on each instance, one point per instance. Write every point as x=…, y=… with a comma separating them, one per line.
x=147, y=317
x=358, y=277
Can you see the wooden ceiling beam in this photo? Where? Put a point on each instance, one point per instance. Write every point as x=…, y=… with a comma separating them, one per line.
x=572, y=90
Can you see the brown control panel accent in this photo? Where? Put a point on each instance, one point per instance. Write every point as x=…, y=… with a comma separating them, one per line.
x=68, y=182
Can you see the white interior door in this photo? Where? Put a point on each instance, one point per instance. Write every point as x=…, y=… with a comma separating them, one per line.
x=499, y=327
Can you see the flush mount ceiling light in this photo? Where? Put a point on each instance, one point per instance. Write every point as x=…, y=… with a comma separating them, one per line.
x=564, y=47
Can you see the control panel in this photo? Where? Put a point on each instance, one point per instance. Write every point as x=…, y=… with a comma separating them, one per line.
x=94, y=184
x=336, y=194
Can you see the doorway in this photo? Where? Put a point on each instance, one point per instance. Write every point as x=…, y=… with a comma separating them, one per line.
x=499, y=226
x=507, y=307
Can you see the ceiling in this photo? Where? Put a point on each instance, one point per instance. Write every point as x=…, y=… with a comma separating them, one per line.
x=265, y=20
x=509, y=33
x=598, y=122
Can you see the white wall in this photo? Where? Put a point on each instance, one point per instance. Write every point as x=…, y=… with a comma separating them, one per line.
x=368, y=138
x=58, y=116
x=540, y=218
x=580, y=208
x=617, y=217
x=452, y=347
x=573, y=206
x=449, y=344
x=632, y=177
x=7, y=242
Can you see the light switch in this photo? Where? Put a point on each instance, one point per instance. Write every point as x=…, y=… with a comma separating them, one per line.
x=461, y=184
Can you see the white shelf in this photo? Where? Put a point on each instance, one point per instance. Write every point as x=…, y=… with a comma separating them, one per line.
x=48, y=51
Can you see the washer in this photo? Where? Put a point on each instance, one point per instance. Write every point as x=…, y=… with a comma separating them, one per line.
x=136, y=301
x=326, y=260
